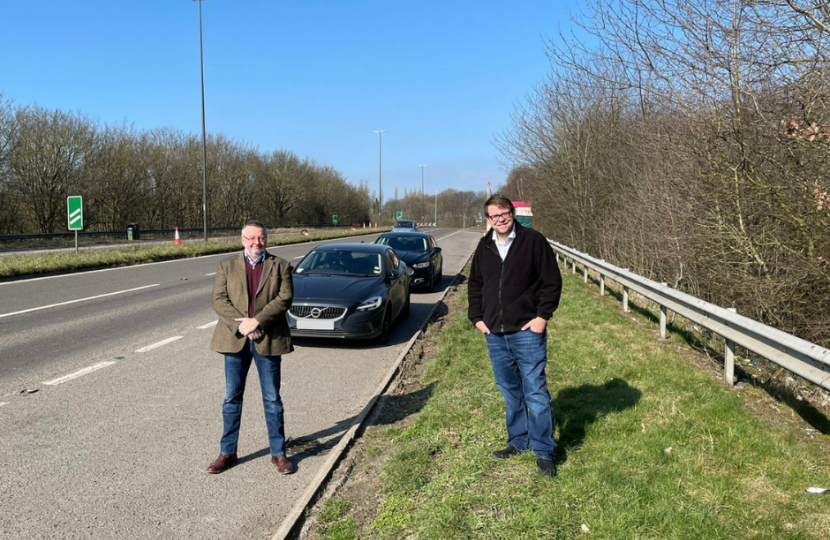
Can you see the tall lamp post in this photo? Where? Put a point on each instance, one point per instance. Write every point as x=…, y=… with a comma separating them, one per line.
x=423, y=203
x=204, y=142
x=380, y=172
x=435, y=224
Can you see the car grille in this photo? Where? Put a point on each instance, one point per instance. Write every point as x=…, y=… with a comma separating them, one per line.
x=326, y=312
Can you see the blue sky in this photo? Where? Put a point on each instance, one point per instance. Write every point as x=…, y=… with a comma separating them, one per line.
x=312, y=77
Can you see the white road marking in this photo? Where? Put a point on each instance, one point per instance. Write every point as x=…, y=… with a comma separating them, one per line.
x=159, y=344
x=211, y=274
x=80, y=373
x=172, y=261
x=133, y=267
x=76, y=301
x=208, y=325
x=300, y=257
x=456, y=232
x=1, y=404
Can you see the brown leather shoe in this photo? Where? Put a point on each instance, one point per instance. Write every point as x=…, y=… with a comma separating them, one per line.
x=283, y=465
x=222, y=463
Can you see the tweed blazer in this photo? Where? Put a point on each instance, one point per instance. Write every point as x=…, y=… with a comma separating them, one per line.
x=273, y=298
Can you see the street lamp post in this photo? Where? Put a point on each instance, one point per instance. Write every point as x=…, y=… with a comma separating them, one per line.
x=423, y=202
x=204, y=142
x=380, y=172
x=435, y=224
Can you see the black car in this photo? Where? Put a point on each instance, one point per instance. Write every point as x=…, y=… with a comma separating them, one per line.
x=420, y=253
x=354, y=291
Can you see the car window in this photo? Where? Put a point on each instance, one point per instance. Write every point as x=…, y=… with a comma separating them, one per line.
x=341, y=262
x=405, y=224
x=402, y=243
x=392, y=261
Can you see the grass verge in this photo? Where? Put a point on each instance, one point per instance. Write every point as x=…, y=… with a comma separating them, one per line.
x=650, y=446
x=57, y=262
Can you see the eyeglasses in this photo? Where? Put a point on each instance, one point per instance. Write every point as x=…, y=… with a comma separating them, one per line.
x=497, y=217
x=259, y=239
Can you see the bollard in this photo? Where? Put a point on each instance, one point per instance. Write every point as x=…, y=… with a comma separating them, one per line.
x=625, y=299
x=601, y=285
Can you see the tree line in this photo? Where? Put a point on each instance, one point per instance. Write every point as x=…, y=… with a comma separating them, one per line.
x=154, y=178
x=688, y=140
x=453, y=208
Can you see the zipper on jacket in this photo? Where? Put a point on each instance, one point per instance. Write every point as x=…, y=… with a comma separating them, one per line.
x=501, y=284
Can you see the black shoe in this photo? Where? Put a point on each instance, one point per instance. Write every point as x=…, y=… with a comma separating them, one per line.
x=546, y=467
x=507, y=452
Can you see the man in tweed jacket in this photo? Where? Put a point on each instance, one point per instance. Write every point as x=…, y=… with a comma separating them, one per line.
x=252, y=293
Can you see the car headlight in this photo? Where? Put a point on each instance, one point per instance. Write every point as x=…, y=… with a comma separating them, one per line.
x=421, y=265
x=370, y=304
x=409, y=271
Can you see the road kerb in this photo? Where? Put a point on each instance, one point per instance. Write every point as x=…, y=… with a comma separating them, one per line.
x=336, y=454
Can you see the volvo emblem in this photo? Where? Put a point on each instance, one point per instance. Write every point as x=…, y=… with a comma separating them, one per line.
x=316, y=312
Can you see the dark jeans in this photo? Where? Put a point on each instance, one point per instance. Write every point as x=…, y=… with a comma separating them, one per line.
x=519, y=361
x=236, y=372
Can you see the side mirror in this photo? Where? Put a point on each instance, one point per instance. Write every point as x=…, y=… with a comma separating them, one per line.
x=437, y=250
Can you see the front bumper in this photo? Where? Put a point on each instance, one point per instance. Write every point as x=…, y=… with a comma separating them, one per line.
x=420, y=278
x=351, y=325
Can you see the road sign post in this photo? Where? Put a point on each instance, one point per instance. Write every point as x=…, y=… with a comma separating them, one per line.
x=75, y=215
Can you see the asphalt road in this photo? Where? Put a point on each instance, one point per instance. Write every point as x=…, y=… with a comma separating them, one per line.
x=127, y=410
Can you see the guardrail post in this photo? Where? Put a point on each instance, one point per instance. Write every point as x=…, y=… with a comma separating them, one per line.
x=729, y=359
x=585, y=274
x=573, y=266
x=601, y=285
x=663, y=313
x=625, y=299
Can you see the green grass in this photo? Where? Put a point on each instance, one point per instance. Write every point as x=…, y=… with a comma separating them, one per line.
x=56, y=262
x=335, y=525
x=649, y=446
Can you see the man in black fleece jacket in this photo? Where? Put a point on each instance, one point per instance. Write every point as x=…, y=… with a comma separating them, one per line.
x=514, y=288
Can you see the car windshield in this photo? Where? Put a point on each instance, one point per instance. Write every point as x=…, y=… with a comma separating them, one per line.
x=405, y=224
x=341, y=262
x=403, y=243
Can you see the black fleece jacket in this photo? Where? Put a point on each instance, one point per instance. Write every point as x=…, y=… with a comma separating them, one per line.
x=507, y=294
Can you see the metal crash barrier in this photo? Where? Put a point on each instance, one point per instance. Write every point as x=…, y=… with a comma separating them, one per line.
x=806, y=359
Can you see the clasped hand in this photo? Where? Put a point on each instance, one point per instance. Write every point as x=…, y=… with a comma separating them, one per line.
x=249, y=328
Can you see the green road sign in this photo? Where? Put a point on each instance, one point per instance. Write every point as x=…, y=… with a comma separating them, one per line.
x=334, y=219
x=75, y=212
x=400, y=214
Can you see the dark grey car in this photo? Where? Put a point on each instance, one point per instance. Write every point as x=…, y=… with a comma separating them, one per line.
x=354, y=291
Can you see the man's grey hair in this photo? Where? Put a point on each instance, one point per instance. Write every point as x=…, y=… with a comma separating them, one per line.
x=254, y=223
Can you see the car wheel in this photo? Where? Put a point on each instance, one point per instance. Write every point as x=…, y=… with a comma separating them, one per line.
x=405, y=311
x=385, y=327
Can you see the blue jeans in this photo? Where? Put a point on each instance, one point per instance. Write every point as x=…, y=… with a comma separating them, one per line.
x=236, y=372
x=519, y=361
